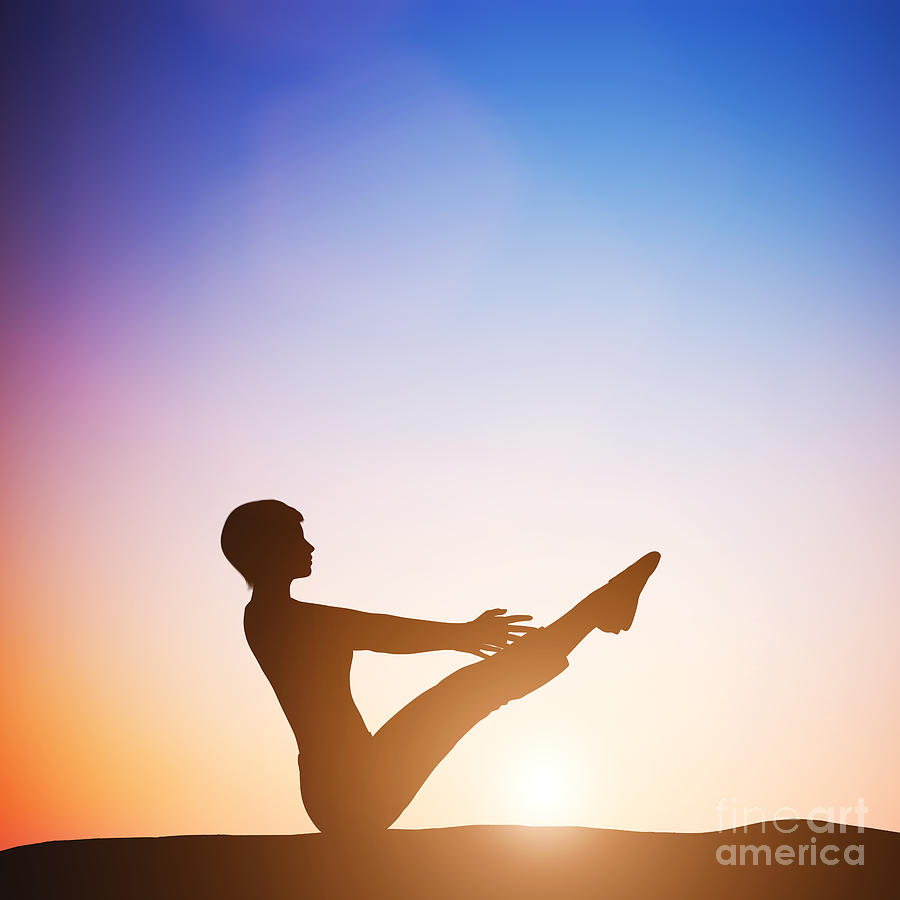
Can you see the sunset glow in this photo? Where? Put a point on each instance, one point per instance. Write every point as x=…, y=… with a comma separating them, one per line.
x=501, y=297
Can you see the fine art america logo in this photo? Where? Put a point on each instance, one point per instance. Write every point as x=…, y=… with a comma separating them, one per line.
x=818, y=848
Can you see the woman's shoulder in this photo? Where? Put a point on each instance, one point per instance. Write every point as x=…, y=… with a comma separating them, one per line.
x=273, y=619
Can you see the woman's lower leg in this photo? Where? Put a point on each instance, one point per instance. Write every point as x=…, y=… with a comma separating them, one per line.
x=610, y=608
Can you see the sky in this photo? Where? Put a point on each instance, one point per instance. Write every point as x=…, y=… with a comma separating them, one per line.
x=501, y=296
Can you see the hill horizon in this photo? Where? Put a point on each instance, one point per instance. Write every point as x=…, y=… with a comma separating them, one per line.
x=781, y=858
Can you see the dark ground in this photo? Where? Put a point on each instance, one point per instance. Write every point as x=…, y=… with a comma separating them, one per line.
x=496, y=861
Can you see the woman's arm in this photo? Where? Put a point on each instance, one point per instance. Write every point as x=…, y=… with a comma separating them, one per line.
x=491, y=631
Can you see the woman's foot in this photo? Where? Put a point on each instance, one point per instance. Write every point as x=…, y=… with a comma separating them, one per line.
x=617, y=600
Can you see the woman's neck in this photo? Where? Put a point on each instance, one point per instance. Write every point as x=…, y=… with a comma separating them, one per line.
x=272, y=590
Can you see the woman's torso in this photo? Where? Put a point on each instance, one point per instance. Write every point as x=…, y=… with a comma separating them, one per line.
x=309, y=670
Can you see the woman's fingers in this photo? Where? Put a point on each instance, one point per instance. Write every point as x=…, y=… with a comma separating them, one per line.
x=521, y=629
x=517, y=618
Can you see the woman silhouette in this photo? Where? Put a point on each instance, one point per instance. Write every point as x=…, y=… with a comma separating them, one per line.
x=351, y=780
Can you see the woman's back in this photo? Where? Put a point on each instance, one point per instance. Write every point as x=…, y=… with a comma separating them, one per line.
x=308, y=665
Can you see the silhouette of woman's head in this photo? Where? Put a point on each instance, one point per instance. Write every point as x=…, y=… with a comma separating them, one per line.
x=264, y=540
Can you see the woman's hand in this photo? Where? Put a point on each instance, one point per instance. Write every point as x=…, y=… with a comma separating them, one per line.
x=492, y=631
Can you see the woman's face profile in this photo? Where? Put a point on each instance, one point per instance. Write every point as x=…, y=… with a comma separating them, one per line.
x=300, y=551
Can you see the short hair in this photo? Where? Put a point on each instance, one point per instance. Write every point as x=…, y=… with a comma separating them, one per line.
x=252, y=532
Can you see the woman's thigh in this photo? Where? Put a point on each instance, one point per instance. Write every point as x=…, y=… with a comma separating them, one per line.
x=409, y=746
x=366, y=784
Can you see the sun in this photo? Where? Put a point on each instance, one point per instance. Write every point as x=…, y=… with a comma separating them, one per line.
x=542, y=788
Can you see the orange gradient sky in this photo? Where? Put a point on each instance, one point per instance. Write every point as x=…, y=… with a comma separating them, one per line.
x=495, y=348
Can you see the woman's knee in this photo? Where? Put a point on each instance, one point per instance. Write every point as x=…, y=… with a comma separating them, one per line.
x=526, y=666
